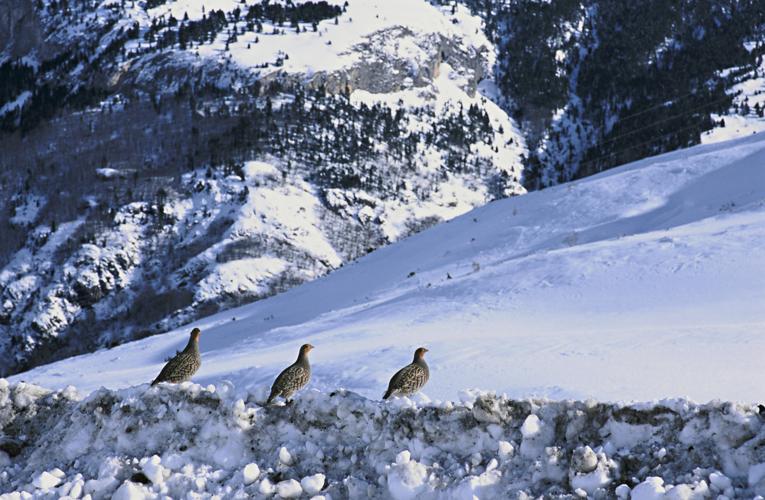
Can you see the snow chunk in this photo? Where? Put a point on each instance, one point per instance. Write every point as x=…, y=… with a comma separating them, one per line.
x=289, y=489
x=650, y=489
x=313, y=484
x=591, y=481
x=97, y=487
x=45, y=480
x=531, y=426
x=153, y=470
x=479, y=486
x=756, y=473
x=506, y=450
x=589, y=470
x=407, y=478
x=720, y=481
x=584, y=459
x=680, y=492
x=250, y=473
x=622, y=491
x=285, y=457
x=130, y=491
x=266, y=487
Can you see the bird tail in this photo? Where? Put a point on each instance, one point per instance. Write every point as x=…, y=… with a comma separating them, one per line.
x=388, y=394
x=155, y=382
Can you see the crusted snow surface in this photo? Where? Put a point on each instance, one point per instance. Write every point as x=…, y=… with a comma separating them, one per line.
x=218, y=440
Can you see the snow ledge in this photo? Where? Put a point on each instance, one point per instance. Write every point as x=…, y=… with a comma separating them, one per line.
x=146, y=442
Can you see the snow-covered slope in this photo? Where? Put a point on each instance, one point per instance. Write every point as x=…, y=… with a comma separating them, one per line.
x=643, y=282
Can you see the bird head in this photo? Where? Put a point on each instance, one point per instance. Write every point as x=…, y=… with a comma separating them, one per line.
x=420, y=353
x=305, y=348
x=195, y=333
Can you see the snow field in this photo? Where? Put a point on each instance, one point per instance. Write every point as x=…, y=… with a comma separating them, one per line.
x=204, y=441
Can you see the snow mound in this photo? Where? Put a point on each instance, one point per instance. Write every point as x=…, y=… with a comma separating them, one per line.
x=147, y=442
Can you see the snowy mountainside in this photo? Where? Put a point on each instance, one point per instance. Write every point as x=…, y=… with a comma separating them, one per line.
x=747, y=115
x=207, y=155
x=614, y=287
x=112, y=47
x=616, y=81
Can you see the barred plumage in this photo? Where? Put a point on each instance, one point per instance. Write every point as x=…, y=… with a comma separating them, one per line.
x=184, y=364
x=410, y=378
x=293, y=378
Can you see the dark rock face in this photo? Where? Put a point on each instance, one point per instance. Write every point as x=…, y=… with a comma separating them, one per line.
x=20, y=30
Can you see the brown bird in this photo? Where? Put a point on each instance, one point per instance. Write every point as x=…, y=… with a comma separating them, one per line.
x=184, y=364
x=293, y=378
x=410, y=378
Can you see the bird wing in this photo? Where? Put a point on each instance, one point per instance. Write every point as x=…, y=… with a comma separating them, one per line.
x=168, y=369
x=289, y=376
x=400, y=376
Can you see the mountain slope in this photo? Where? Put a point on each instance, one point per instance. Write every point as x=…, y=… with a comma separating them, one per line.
x=142, y=138
x=596, y=84
x=166, y=160
x=642, y=282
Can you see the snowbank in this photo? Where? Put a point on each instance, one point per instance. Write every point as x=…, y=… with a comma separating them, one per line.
x=148, y=442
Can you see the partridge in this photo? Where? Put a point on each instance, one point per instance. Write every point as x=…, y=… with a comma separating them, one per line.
x=184, y=364
x=410, y=378
x=293, y=378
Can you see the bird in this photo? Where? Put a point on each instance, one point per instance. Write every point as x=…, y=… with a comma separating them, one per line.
x=184, y=364
x=410, y=378
x=293, y=378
